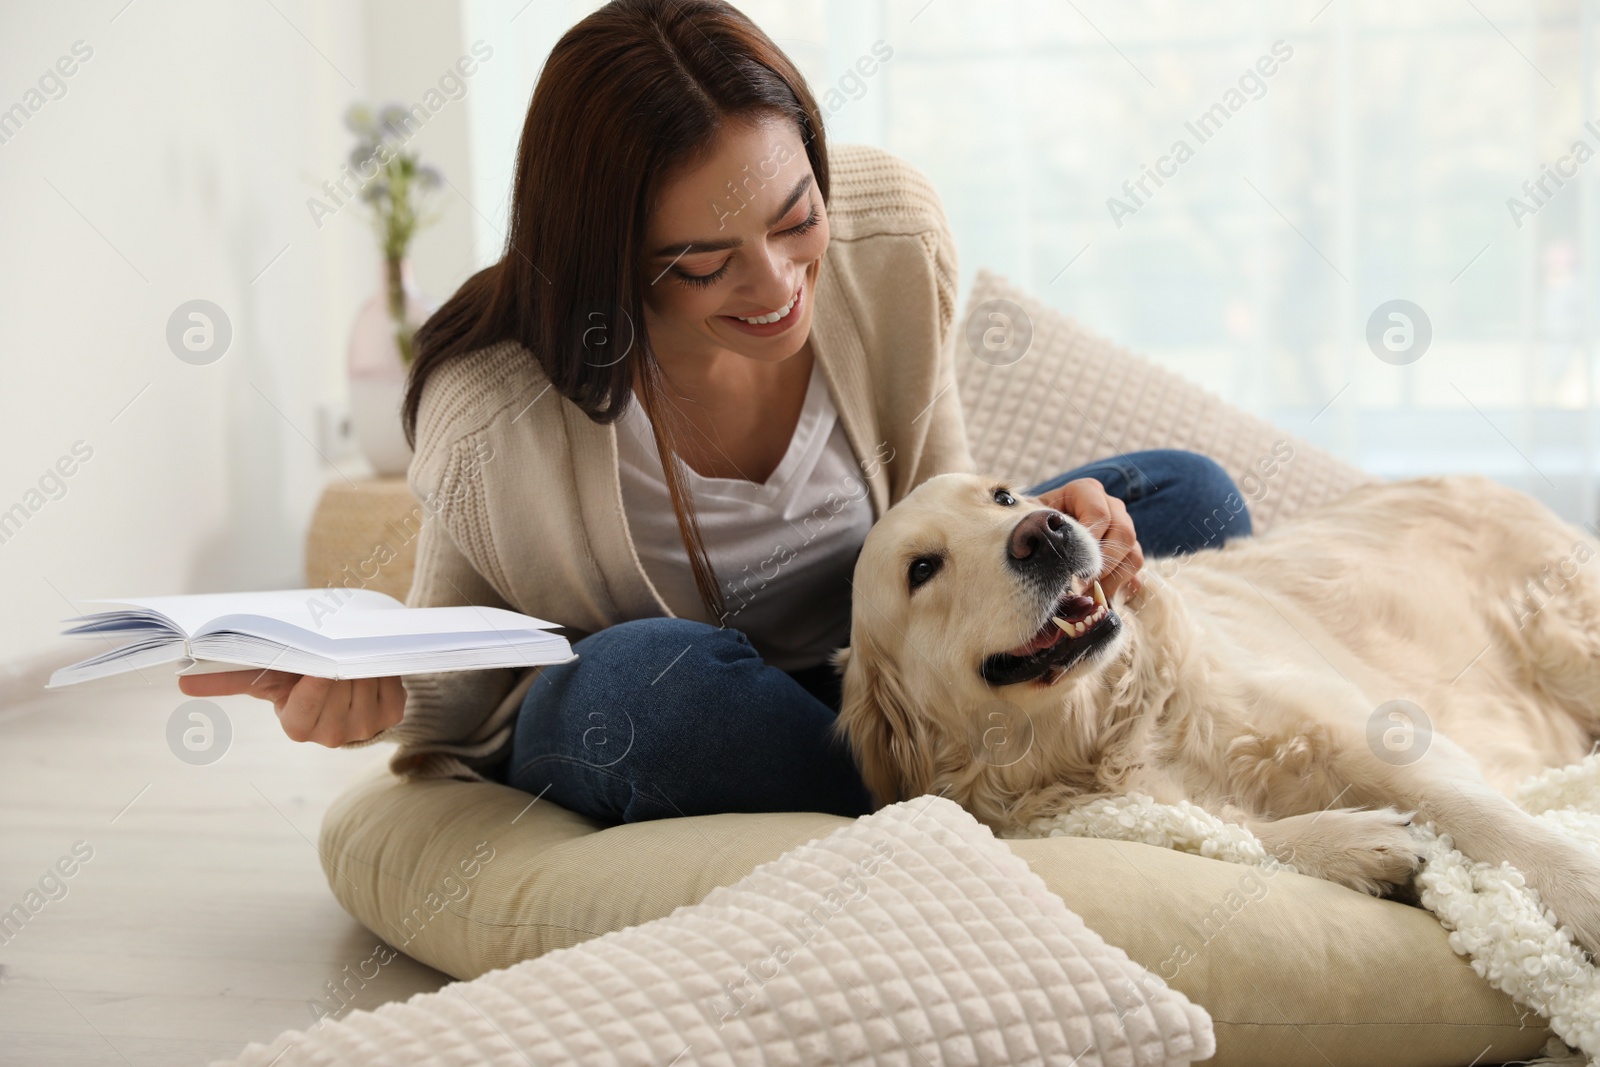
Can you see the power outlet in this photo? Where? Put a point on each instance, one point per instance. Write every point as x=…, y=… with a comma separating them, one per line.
x=336, y=433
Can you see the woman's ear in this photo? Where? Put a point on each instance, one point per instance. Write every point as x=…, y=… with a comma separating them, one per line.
x=891, y=748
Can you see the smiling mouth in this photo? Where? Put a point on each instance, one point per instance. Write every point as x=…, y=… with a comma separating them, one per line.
x=773, y=322
x=772, y=316
x=1080, y=624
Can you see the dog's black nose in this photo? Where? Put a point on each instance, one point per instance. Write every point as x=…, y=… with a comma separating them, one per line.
x=1041, y=537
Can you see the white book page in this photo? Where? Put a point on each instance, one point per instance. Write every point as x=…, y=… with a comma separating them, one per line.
x=370, y=634
x=299, y=607
x=408, y=628
x=469, y=619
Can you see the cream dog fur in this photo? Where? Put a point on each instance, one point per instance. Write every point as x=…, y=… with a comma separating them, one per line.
x=1258, y=680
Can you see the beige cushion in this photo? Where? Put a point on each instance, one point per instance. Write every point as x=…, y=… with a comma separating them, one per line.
x=800, y=963
x=1072, y=397
x=469, y=877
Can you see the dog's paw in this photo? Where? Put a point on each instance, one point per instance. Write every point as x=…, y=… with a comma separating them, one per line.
x=1569, y=886
x=1367, y=850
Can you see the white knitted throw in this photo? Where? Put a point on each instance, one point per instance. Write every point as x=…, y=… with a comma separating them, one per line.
x=1495, y=919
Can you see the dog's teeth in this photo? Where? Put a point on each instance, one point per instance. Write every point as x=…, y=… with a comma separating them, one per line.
x=1063, y=623
x=1099, y=595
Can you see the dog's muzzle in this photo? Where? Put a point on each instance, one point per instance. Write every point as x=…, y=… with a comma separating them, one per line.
x=1045, y=552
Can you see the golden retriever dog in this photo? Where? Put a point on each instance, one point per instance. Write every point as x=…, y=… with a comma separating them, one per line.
x=1413, y=648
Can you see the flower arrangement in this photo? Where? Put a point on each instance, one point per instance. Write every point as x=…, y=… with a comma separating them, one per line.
x=395, y=185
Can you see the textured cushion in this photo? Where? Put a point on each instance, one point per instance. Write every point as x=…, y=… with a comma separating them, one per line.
x=467, y=877
x=910, y=932
x=1049, y=395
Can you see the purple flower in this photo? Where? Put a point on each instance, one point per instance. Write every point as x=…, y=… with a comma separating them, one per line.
x=393, y=118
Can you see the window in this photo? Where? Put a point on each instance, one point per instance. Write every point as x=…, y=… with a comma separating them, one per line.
x=1338, y=156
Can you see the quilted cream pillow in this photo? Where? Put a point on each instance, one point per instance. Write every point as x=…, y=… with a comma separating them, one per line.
x=1042, y=394
x=908, y=936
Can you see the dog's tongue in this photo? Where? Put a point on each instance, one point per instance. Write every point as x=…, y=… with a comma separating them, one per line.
x=1075, y=608
x=1046, y=637
x=1072, y=609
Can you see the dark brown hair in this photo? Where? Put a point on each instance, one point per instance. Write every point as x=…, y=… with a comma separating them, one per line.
x=631, y=96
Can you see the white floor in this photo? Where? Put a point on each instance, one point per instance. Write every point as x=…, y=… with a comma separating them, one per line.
x=203, y=920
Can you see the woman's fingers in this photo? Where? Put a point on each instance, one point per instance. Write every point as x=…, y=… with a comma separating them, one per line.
x=1106, y=517
x=356, y=723
x=372, y=708
x=1124, y=570
x=325, y=710
x=1120, y=545
x=1087, y=501
x=306, y=705
x=391, y=703
x=339, y=710
x=1118, y=541
x=268, y=685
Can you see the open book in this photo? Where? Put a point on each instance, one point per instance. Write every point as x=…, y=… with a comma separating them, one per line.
x=328, y=633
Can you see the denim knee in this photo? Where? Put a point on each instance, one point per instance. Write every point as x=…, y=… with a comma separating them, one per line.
x=1217, y=510
x=589, y=729
x=661, y=717
x=635, y=674
x=645, y=652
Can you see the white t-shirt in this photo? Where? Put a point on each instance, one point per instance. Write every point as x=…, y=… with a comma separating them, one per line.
x=783, y=551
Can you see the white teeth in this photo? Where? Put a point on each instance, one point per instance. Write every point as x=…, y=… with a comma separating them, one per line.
x=1078, y=629
x=1099, y=595
x=774, y=316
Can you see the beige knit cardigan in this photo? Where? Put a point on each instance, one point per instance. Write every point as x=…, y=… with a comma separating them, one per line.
x=522, y=501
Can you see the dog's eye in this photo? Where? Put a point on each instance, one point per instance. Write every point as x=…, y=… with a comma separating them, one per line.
x=1004, y=498
x=922, y=568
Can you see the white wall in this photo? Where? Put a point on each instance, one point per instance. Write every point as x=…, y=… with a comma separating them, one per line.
x=177, y=166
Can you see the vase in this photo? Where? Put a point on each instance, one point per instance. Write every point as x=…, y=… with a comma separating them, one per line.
x=378, y=370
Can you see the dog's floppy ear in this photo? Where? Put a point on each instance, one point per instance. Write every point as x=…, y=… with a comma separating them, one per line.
x=891, y=746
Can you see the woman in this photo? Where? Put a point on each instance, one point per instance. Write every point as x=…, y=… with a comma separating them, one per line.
x=689, y=273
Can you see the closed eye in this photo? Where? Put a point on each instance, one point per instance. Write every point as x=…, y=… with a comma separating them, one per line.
x=922, y=569
x=806, y=225
x=703, y=280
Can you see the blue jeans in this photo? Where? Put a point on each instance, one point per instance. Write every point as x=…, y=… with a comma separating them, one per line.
x=666, y=717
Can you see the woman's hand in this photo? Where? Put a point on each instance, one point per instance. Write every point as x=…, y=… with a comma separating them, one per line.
x=1106, y=517
x=324, y=710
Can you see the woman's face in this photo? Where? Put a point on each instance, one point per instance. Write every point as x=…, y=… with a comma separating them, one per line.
x=740, y=237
